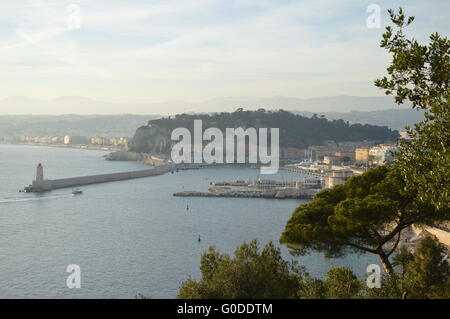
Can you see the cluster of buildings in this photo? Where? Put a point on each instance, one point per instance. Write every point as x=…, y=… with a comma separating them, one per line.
x=335, y=163
x=338, y=153
x=101, y=141
x=375, y=155
x=40, y=140
x=70, y=140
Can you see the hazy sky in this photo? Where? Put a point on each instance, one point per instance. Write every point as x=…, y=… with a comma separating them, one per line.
x=154, y=51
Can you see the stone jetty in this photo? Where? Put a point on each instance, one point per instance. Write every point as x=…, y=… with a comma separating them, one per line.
x=41, y=185
x=250, y=194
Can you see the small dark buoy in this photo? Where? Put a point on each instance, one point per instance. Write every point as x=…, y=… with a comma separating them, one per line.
x=187, y=207
x=199, y=239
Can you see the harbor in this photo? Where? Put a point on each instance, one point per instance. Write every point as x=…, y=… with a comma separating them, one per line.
x=260, y=188
x=266, y=188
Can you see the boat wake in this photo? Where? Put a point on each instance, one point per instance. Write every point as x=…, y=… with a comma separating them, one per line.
x=21, y=200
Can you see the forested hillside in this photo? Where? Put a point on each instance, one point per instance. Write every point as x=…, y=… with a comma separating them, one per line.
x=295, y=130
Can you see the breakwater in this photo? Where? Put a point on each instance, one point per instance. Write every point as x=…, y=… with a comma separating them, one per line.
x=42, y=185
x=305, y=171
x=250, y=194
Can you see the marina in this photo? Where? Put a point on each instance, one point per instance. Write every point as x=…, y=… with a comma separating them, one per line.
x=260, y=188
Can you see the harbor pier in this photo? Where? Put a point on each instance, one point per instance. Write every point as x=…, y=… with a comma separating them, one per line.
x=42, y=185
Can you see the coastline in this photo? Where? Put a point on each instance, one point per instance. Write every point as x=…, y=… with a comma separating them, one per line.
x=74, y=146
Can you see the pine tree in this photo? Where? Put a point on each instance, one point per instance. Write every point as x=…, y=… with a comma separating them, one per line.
x=429, y=272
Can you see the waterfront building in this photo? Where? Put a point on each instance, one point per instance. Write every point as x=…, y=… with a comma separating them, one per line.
x=333, y=160
x=381, y=154
x=317, y=152
x=344, y=154
x=119, y=141
x=292, y=153
x=352, y=146
x=10, y=139
x=97, y=141
x=337, y=177
x=362, y=155
x=71, y=140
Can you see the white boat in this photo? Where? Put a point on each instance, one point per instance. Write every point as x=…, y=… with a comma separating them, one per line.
x=77, y=192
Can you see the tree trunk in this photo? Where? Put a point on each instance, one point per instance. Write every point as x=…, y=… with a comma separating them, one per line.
x=386, y=263
x=403, y=269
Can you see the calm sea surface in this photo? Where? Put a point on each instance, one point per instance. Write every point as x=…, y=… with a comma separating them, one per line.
x=128, y=237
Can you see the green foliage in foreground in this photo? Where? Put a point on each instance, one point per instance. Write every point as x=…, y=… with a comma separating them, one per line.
x=367, y=214
x=258, y=274
x=250, y=274
x=429, y=274
x=420, y=73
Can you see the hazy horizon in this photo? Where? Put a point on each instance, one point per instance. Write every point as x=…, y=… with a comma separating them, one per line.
x=159, y=53
x=86, y=106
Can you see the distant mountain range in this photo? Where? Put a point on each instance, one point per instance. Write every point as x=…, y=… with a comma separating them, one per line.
x=61, y=125
x=83, y=105
x=395, y=119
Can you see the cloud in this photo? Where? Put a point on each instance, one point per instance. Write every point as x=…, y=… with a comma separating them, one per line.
x=166, y=50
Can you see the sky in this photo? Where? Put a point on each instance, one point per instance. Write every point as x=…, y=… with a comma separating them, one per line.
x=155, y=51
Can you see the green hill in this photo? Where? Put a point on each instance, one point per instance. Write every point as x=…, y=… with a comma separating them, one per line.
x=295, y=130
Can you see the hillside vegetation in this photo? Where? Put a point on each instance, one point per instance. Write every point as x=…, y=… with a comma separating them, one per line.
x=295, y=130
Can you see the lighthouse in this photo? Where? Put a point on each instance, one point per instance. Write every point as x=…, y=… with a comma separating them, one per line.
x=40, y=173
